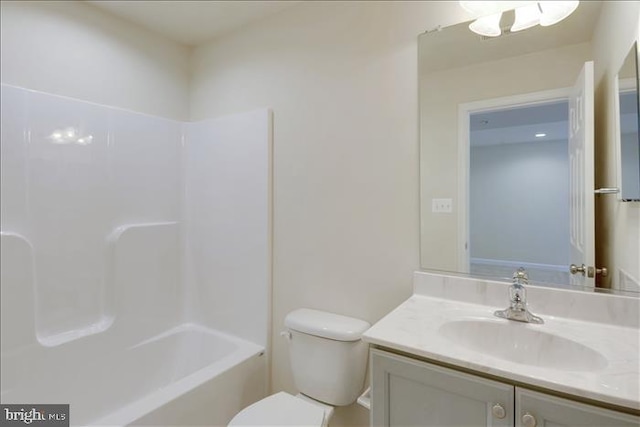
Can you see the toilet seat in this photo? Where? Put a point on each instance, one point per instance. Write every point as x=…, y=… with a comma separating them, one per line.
x=280, y=409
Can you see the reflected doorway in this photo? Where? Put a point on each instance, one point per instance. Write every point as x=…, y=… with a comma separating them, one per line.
x=518, y=191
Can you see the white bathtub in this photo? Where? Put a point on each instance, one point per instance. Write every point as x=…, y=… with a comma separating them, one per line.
x=189, y=375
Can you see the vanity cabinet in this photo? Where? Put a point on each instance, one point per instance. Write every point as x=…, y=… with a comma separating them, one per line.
x=410, y=392
x=407, y=392
x=534, y=409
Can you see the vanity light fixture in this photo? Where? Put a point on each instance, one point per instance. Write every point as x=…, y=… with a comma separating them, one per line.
x=526, y=17
x=540, y=135
x=487, y=25
x=527, y=14
x=483, y=8
x=552, y=12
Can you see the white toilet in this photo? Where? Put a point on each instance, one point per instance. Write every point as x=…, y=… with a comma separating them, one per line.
x=328, y=361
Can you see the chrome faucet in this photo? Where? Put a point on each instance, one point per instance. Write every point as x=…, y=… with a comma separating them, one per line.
x=518, y=300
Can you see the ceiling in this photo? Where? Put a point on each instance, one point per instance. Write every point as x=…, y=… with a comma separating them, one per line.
x=192, y=22
x=520, y=124
x=520, y=116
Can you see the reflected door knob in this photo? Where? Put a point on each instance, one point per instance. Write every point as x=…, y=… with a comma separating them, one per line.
x=529, y=420
x=498, y=411
x=574, y=269
x=589, y=271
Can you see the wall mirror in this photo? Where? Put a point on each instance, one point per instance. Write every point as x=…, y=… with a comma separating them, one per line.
x=628, y=148
x=494, y=160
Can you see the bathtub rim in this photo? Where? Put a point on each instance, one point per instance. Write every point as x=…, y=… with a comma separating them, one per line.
x=129, y=413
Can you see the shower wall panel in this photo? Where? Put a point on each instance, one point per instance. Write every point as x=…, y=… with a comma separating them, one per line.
x=228, y=223
x=122, y=222
x=72, y=172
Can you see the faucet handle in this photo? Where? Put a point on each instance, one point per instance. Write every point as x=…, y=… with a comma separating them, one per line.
x=521, y=276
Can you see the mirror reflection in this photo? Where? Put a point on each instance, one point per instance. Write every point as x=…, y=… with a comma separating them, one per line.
x=519, y=191
x=495, y=167
x=629, y=148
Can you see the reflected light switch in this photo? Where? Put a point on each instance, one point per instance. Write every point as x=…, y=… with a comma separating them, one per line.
x=441, y=205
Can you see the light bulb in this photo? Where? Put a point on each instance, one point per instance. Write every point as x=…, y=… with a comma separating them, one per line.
x=488, y=26
x=526, y=17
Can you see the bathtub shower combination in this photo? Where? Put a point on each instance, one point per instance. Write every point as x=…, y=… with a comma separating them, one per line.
x=135, y=261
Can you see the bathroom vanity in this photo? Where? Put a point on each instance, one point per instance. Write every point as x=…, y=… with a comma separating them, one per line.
x=442, y=358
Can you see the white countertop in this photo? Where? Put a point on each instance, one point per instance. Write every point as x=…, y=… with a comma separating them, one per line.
x=414, y=328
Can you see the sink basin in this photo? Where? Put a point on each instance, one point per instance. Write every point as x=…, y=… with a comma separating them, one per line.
x=522, y=343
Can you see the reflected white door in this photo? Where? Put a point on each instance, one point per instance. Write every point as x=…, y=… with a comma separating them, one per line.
x=581, y=178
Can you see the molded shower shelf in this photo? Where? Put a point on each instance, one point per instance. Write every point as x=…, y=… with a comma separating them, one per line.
x=115, y=242
x=17, y=313
x=126, y=268
x=117, y=232
x=65, y=337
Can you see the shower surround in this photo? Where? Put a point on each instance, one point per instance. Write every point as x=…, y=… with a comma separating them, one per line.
x=136, y=261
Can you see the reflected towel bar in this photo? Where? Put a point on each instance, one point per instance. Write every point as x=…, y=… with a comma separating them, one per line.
x=607, y=190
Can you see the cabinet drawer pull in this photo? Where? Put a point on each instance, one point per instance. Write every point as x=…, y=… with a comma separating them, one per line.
x=498, y=411
x=529, y=420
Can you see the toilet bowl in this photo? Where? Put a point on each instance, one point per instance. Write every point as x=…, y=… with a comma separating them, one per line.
x=283, y=409
x=328, y=362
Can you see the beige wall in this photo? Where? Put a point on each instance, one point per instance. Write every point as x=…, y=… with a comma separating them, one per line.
x=617, y=223
x=441, y=93
x=341, y=78
x=74, y=49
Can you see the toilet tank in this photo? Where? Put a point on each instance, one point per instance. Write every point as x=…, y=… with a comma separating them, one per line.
x=328, y=358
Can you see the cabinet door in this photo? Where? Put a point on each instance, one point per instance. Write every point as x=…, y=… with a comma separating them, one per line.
x=407, y=392
x=540, y=410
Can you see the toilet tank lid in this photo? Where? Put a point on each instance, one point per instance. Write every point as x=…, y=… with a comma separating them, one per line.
x=326, y=325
